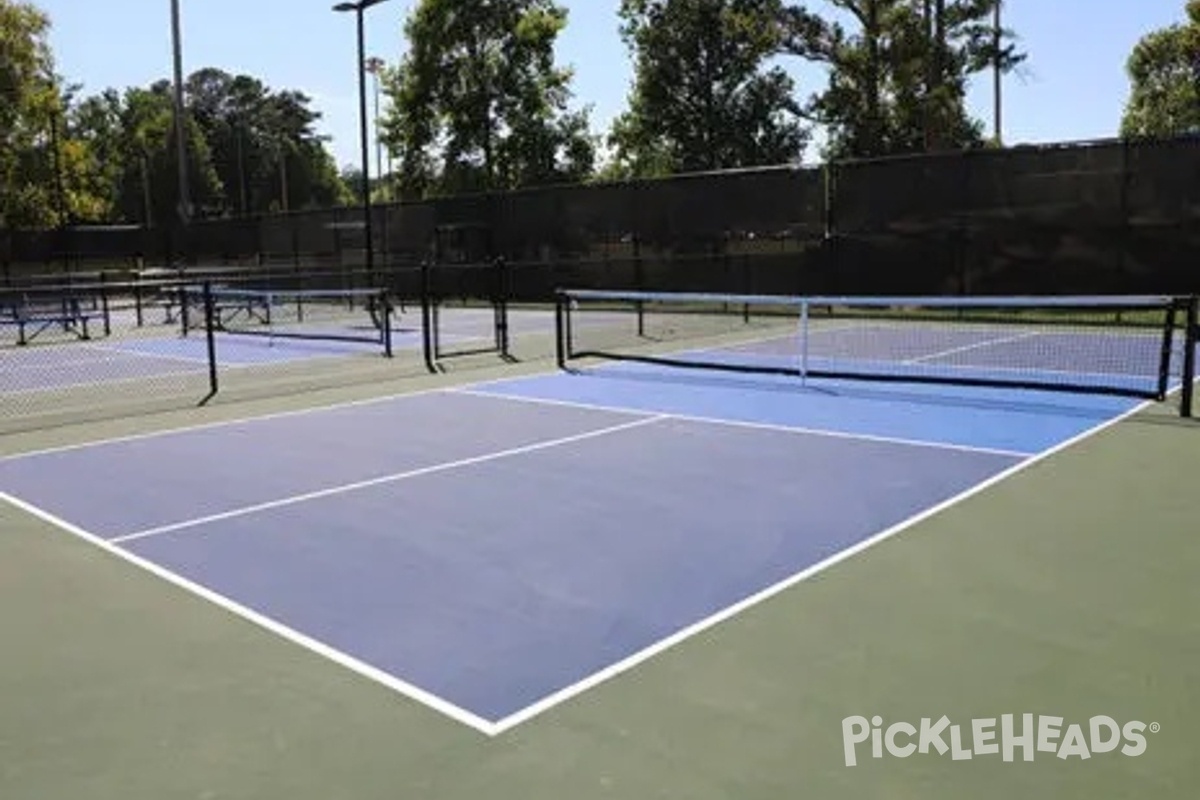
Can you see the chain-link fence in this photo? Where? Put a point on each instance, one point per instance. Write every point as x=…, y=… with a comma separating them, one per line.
x=1086, y=218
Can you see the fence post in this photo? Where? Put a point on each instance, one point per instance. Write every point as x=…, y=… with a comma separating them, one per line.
x=1191, y=341
x=211, y=341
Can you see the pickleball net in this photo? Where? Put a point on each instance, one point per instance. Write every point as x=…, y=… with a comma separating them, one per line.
x=332, y=315
x=1132, y=346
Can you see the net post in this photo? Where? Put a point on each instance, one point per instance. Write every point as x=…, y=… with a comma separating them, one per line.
x=385, y=310
x=500, y=306
x=1191, y=341
x=137, y=297
x=560, y=312
x=181, y=291
x=568, y=337
x=104, y=305
x=210, y=338
x=1168, y=341
x=427, y=316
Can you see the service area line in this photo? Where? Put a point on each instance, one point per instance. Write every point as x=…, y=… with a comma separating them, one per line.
x=387, y=479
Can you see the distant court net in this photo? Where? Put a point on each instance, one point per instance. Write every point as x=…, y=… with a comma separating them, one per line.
x=345, y=315
x=465, y=310
x=1140, y=347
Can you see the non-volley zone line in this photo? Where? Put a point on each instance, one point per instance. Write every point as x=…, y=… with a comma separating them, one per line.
x=477, y=391
x=967, y=348
x=396, y=477
x=120, y=350
x=729, y=613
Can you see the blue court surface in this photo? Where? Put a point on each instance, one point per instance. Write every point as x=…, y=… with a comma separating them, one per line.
x=494, y=550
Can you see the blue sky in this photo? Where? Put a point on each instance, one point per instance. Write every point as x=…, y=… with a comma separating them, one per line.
x=1073, y=87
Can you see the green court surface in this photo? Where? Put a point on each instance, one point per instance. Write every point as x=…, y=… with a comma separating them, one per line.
x=1068, y=589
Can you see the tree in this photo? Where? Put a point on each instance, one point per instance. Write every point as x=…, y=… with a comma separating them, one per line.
x=47, y=176
x=1164, y=70
x=898, y=76
x=304, y=166
x=478, y=103
x=147, y=188
x=264, y=146
x=96, y=123
x=31, y=104
x=703, y=98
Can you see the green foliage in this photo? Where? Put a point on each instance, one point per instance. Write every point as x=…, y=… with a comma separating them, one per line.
x=898, y=71
x=96, y=123
x=142, y=136
x=112, y=157
x=1164, y=70
x=703, y=97
x=29, y=88
x=478, y=102
x=263, y=143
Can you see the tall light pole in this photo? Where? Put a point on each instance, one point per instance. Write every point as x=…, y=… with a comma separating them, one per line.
x=375, y=66
x=997, y=79
x=359, y=8
x=185, y=202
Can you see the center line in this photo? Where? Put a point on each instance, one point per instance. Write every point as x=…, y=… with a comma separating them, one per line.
x=400, y=476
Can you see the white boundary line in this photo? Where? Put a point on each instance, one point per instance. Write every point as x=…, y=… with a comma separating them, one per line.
x=967, y=348
x=471, y=720
x=124, y=351
x=646, y=419
x=628, y=663
x=53, y=365
x=224, y=423
x=106, y=383
x=99, y=385
x=732, y=423
x=279, y=629
x=138, y=358
x=296, y=412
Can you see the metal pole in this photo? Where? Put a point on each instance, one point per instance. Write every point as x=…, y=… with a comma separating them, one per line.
x=375, y=65
x=180, y=127
x=60, y=192
x=60, y=201
x=283, y=178
x=364, y=142
x=997, y=79
x=243, y=200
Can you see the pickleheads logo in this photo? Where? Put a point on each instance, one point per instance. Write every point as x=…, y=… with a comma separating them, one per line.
x=1030, y=734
